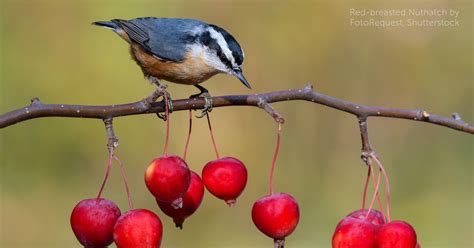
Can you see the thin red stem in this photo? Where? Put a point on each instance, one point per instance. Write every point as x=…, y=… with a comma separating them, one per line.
x=387, y=186
x=107, y=171
x=272, y=170
x=379, y=203
x=364, y=197
x=376, y=189
x=125, y=181
x=189, y=135
x=212, y=135
x=167, y=114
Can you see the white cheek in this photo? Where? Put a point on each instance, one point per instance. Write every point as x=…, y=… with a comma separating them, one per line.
x=210, y=58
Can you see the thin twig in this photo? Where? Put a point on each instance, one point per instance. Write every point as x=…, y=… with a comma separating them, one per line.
x=271, y=111
x=112, y=140
x=364, y=135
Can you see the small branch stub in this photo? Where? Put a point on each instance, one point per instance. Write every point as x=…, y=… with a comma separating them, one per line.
x=456, y=117
x=270, y=110
x=364, y=134
x=425, y=115
x=35, y=101
x=148, y=102
x=112, y=142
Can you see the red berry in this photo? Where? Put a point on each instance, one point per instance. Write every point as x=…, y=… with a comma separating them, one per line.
x=191, y=201
x=375, y=217
x=276, y=216
x=139, y=228
x=168, y=178
x=396, y=234
x=93, y=222
x=354, y=233
x=225, y=178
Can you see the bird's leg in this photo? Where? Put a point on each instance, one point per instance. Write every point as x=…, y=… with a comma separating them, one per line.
x=207, y=98
x=161, y=91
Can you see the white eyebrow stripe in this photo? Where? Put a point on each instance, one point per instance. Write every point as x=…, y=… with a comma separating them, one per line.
x=223, y=44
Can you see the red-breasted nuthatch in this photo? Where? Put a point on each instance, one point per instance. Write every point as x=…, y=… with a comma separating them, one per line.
x=183, y=51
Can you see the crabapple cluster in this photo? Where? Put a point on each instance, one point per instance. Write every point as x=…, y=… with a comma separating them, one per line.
x=178, y=192
x=369, y=228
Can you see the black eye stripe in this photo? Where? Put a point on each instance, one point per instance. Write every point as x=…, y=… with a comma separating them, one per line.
x=232, y=43
x=206, y=39
x=223, y=58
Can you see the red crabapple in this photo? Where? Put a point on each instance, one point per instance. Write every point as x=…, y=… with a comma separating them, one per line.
x=375, y=217
x=396, y=234
x=138, y=228
x=191, y=201
x=276, y=215
x=225, y=178
x=168, y=178
x=354, y=233
x=93, y=220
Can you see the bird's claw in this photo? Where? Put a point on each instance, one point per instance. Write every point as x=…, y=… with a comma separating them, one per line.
x=159, y=91
x=207, y=105
x=168, y=101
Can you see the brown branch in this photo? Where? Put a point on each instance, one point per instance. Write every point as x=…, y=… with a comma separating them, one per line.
x=38, y=109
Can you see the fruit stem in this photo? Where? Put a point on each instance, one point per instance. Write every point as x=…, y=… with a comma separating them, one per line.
x=278, y=243
x=167, y=113
x=379, y=203
x=212, y=135
x=272, y=170
x=109, y=164
x=364, y=197
x=125, y=180
x=189, y=135
x=387, y=185
x=376, y=190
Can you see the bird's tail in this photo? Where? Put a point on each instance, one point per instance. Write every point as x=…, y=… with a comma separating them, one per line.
x=109, y=25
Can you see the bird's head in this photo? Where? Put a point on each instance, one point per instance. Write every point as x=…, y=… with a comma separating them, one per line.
x=223, y=52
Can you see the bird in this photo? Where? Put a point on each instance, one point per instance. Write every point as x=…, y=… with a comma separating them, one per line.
x=180, y=50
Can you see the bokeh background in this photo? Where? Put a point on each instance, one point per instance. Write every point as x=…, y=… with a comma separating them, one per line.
x=50, y=50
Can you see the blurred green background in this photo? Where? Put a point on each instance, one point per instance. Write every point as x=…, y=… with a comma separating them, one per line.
x=50, y=50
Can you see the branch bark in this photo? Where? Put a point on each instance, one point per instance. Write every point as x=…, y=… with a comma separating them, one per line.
x=38, y=110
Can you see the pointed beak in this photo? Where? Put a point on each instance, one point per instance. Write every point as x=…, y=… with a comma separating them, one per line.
x=240, y=76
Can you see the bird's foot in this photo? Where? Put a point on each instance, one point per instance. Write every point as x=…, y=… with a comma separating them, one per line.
x=207, y=105
x=166, y=100
x=160, y=91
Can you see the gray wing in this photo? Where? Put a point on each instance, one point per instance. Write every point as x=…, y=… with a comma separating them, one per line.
x=165, y=38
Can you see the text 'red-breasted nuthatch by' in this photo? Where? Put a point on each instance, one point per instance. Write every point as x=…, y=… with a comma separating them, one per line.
x=183, y=51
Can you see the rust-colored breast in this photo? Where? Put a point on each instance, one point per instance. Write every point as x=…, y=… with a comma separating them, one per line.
x=193, y=69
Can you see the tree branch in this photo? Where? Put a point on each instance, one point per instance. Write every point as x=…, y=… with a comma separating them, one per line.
x=38, y=109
